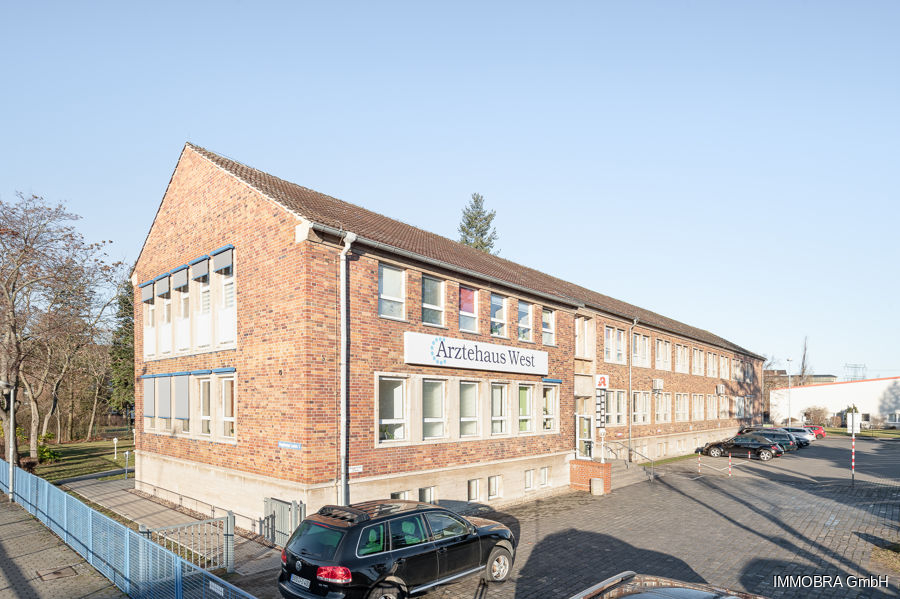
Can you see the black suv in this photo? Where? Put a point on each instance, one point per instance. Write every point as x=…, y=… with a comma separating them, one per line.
x=742, y=445
x=390, y=549
x=788, y=441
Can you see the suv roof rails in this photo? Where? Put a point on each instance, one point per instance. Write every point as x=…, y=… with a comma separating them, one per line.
x=344, y=512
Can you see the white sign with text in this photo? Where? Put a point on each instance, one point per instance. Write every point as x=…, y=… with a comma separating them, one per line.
x=435, y=350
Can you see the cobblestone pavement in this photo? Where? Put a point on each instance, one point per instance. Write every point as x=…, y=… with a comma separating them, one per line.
x=800, y=518
x=29, y=550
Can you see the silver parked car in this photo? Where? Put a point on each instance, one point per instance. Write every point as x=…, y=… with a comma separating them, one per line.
x=803, y=433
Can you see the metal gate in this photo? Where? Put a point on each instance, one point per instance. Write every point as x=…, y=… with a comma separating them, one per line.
x=280, y=519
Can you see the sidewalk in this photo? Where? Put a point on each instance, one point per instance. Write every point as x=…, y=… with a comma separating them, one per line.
x=259, y=563
x=35, y=563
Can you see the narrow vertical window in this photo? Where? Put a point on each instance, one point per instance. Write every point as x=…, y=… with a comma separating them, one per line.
x=426, y=494
x=498, y=315
x=205, y=414
x=432, y=301
x=390, y=292
x=525, y=321
x=548, y=408
x=473, y=492
x=149, y=329
x=165, y=329
x=468, y=314
x=183, y=321
x=525, y=412
x=227, y=317
x=432, y=409
x=203, y=322
x=391, y=413
x=529, y=479
x=548, y=326
x=468, y=409
x=228, y=407
x=494, y=486
x=498, y=409
x=545, y=476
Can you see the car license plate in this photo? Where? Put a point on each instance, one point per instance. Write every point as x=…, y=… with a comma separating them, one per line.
x=300, y=581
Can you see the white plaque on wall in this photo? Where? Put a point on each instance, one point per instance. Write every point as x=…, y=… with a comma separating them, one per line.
x=435, y=350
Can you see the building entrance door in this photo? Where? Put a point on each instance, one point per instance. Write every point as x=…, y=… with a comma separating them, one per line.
x=584, y=427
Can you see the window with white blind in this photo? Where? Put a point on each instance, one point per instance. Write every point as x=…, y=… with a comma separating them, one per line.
x=205, y=387
x=614, y=345
x=165, y=325
x=228, y=405
x=711, y=407
x=498, y=315
x=663, y=354
x=723, y=367
x=183, y=321
x=227, y=313
x=616, y=409
x=391, y=292
x=432, y=409
x=391, y=409
x=712, y=365
x=468, y=409
x=697, y=366
x=723, y=407
x=526, y=415
x=468, y=311
x=498, y=409
x=548, y=326
x=549, y=407
x=203, y=315
x=149, y=329
x=682, y=358
x=664, y=407
x=525, y=318
x=640, y=407
x=697, y=406
x=432, y=301
x=682, y=409
x=640, y=350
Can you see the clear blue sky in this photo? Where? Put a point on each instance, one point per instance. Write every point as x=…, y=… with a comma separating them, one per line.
x=734, y=165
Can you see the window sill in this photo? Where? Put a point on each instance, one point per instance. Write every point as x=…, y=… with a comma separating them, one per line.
x=469, y=332
x=499, y=337
x=613, y=362
x=527, y=341
x=434, y=326
x=395, y=319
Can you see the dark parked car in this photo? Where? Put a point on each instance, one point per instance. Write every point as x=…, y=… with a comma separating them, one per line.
x=787, y=441
x=390, y=549
x=629, y=584
x=739, y=446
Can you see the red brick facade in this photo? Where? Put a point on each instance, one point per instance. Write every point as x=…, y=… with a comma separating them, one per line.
x=582, y=471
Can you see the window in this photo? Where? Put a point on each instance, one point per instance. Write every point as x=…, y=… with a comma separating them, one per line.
x=432, y=301
x=432, y=409
x=640, y=407
x=149, y=329
x=614, y=345
x=498, y=315
x=615, y=407
x=498, y=409
x=228, y=407
x=548, y=408
x=371, y=541
x=681, y=407
x=227, y=316
x=426, y=494
x=390, y=292
x=406, y=532
x=468, y=409
x=697, y=406
x=525, y=311
x=183, y=322
x=737, y=370
x=525, y=417
x=529, y=480
x=468, y=319
x=712, y=365
x=698, y=362
x=584, y=338
x=723, y=407
x=494, y=486
x=548, y=326
x=723, y=367
x=681, y=358
x=711, y=410
x=400, y=495
x=391, y=409
x=748, y=372
x=640, y=350
x=165, y=329
x=474, y=493
x=664, y=407
x=445, y=526
x=545, y=476
x=738, y=407
x=203, y=322
x=205, y=404
x=748, y=408
x=663, y=355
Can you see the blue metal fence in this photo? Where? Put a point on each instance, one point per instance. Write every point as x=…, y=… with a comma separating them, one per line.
x=135, y=564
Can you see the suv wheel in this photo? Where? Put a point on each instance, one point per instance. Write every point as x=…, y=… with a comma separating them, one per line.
x=765, y=455
x=498, y=565
x=715, y=452
x=386, y=590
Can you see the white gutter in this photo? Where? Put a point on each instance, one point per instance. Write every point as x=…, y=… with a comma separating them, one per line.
x=344, y=492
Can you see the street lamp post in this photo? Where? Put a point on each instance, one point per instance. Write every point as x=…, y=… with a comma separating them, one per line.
x=789, y=391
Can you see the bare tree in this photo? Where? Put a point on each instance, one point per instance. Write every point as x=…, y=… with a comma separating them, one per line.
x=816, y=415
x=805, y=368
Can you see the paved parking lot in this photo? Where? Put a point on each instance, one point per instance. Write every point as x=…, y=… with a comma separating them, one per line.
x=797, y=515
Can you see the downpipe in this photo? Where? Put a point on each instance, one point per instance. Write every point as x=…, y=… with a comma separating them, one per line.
x=344, y=493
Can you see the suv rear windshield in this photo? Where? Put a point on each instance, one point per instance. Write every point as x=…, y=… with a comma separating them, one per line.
x=315, y=540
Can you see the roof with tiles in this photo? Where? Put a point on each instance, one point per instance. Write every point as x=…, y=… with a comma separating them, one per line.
x=326, y=210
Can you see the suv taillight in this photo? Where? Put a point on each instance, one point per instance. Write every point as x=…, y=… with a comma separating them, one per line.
x=338, y=574
x=775, y=447
x=284, y=556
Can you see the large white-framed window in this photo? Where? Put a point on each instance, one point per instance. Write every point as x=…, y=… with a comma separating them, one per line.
x=498, y=409
x=640, y=407
x=468, y=409
x=548, y=326
x=498, y=315
x=391, y=292
x=227, y=313
x=468, y=310
x=391, y=409
x=738, y=407
x=723, y=367
x=615, y=407
x=495, y=486
x=526, y=312
x=682, y=358
x=474, y=489
x=723, y=407
x=614, y=345
x=711, y=408
x=433, y=419
x=682, y=410
x=737, y=369
x=697, y=364
x=149, y=329
x=640, y=350
x=432, y=301
x=712, y=365
x=205, y=390
x=663, y=354
x=549, y=407
x=529, y=479
x=183, y=320
x=697, y=406
x=165, y=325
x=526, y=413
x=664, y=407
x=748, y=406
x=228, y=405
x=748, y=372
x=203, y=320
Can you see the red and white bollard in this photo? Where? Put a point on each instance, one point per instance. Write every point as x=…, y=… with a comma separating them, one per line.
x=853, y=460
x=748, y=454
x=698, y=463
x=729, y=465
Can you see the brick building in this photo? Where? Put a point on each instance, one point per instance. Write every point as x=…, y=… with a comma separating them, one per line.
x=466, y=376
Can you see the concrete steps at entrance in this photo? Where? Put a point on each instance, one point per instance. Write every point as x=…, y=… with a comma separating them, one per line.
x=624, y=474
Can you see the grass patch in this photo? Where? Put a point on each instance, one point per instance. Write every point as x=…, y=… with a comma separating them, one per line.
x=90, y=457
x=872, y=434
x=889, y=556
x=106, y=512
x=678, y=458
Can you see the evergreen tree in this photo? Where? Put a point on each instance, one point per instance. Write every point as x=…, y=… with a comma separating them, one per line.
x=476, y=228
x=122, y=350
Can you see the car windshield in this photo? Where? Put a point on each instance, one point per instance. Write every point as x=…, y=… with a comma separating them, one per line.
x=315, y=540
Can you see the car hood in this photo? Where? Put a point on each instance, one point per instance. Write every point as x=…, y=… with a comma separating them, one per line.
x=484, y=523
